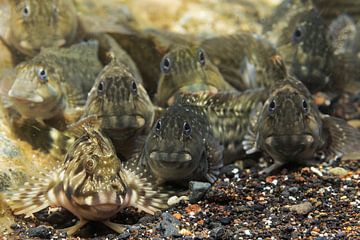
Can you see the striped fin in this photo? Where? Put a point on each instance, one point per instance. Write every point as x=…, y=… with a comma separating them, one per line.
x=33, y=196
x=143, y=194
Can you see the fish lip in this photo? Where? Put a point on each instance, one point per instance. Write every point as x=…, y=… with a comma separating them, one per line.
x=167, y=157
x=34, y=98
x=106, y=207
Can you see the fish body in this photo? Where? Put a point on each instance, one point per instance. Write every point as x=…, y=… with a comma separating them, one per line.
x=245, y=60
x=119, y=105
x=181, y=148
x=34, y=24
x=229, y=114
x=55, y=83
x=187, y=69
x=290, y=128
x=91, y=183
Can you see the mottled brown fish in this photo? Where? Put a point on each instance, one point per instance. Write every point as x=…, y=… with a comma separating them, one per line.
x=34, y=24
x=55, y=84
x=245, y=60
x=181, y=148
x=290, y=129
x=92, y=184
x=187, y=69
x=119, y=105
x=229, y=114
x=308, y=47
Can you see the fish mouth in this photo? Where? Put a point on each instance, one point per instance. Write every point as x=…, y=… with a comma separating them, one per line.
x=106, y=207
x=289, y=145
x=170, y=158
x=101, y=200
x=29, y=97
x=115, y=122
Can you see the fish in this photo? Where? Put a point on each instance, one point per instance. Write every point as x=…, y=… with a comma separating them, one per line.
x=53, y=86
x=311, y=50
x=245, y=60
x=180, y=148
x=187, y=69
x=229, y=114
x=289, y=128
x=34, y=24
x=119, y=105
x=91, y=183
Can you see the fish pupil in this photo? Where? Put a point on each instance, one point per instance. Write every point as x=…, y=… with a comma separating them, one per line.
x=201, y=57
x=297, y=34
x=187, y=128
x=305, y=105
x=26, y=11
x=166, y=65
x=43, y=75
x=101, y=87
x=272, y=106
x=134, y=87
x=158, y=126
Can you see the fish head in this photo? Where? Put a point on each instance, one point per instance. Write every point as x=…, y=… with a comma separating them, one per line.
x=93, y=175
x=175, y=147
x=119, y=103
x=36, y=23
x=184, y=69
x=290, y=126
x=307, y=49
x=36, y=92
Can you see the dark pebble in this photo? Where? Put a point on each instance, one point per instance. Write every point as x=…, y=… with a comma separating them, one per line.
x=16, y=226
x=225, y=221
x=197, y=190
x=40, y=232
x=168, y=225
x=217, y=233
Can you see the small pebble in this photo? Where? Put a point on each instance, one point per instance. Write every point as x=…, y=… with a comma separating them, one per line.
x=302, y=208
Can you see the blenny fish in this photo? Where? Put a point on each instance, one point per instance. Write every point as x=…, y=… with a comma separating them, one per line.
x=119, y=105
x=92, y=184
x=229, y=114
x=181, y=148
x=245, y=60
x=34, y=24
x=290, y=129
x=55, y=83
x=187, y=69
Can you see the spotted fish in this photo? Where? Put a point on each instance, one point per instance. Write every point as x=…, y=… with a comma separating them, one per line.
x=290, y=129
x=180, y=148
x=34, y=24
x=187, y=69
x=229, y=114
x=119, y=105
x=245, y=60
x=92, y=184
x=54, y=85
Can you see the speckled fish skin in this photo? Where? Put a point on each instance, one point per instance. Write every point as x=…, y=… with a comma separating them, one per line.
x=303, y=43
x=119, y=105
x=245, y=60
x=35, y=24
x=187, y=69
x=289, y=128
x=55, y=82
x=91, y=183
x=181, y=148
x=229, y=116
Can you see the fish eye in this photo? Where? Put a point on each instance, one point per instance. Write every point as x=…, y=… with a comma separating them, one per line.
x=201, y=56
x=186, y=129
x=43, y=75
x=26, y=11
x=305, y=106
x=298, y=35
x=133, y=88
x=272, y=106
x=165, y=65
x=90, y=163
x=158, y=126
x=101, y=87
